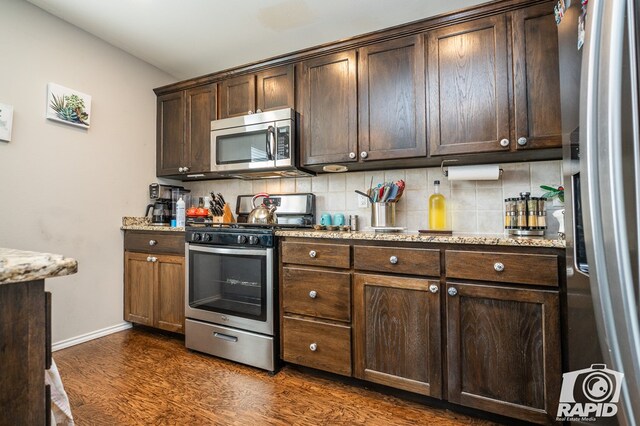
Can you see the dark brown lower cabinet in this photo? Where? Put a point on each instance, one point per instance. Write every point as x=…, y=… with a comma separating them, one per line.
x=503, y=350
x=397, y=332
x=154, y=290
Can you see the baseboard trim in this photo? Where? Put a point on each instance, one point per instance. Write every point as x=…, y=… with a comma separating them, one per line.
x=90, y=336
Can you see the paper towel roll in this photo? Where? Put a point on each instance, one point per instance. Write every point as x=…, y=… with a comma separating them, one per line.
x=479, y=172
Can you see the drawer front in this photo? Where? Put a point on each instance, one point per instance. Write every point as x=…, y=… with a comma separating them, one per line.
x=316, y=344
x=334, y=255
x=323, y=294
x=155, y=242
x=537, y=269
x=397, y=260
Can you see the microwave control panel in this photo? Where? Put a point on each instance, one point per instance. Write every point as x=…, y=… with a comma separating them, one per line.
x=283, y=143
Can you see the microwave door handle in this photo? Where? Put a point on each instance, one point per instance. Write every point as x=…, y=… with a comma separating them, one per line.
x=271, y=142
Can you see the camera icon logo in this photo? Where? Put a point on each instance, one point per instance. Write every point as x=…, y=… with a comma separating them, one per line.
x=589, y=393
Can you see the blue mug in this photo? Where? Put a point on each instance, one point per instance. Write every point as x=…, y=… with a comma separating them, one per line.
x=325, y=219
x=338, y=219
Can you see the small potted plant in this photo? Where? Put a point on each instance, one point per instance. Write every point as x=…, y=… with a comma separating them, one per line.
x=557, y=195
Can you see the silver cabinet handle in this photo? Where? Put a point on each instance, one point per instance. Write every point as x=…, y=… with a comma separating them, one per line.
x=498, y=266
x=522, y=141
x=364, y=154
x=433, y=288
x=313, y=347
x=393, y=260
x=313, y=294
x=152, y=242
x=352, y=155
x=452, y=291
x=504, y=142
x=312, y=253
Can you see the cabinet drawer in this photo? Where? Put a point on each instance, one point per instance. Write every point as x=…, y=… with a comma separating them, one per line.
x=397, y=260
x=318, y=345
x=335, y=255
x=155, y=242
x=324, y=294
x=538, y=269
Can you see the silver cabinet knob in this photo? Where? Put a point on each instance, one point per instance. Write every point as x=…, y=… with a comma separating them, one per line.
x=312, y=253
x=504, y=142
x=180, y=169
x=152, y=242
x=522, y=141
x=364, y=154
x=433, y=288
x=313, y=347
x=498, y=266
x=148, y=258
x=393, y=260
x=352, y=155
x=185, y=169
x=258, y=111
x=249, y=112
x=452, y=291
x=154, y=259
x=313, y=294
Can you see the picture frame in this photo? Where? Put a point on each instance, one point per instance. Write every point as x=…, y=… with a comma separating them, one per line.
x=6, y=122
x=68, y=106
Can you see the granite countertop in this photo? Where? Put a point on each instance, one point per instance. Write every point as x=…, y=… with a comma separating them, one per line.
x=144, y=224
x=456, y=238
x=18, y=265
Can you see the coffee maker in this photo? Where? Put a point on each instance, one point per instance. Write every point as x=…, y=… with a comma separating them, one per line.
x=163, y=207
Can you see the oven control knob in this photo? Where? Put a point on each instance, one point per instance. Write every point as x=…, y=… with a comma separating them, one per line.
x=253, y=240
x=206, y=237
x=196, y=237
x=242, y=239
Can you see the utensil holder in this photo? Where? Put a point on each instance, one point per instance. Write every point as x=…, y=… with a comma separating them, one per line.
x=383, y=215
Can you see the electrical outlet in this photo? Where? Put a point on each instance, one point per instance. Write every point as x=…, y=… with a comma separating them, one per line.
x=363, y=202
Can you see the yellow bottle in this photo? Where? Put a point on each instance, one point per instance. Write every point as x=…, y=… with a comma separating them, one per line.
x=437, y=209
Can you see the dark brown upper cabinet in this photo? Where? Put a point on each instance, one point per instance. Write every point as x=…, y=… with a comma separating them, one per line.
x=327, y=100
x=536, y=78
x=391, y=99
x=264, y=91
x=468, y=87
x=184, y=131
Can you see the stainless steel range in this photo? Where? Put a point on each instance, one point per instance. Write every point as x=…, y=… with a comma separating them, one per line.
x=231, y=290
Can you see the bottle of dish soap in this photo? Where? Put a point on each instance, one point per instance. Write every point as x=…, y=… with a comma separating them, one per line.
x=180, y=213
x=437, y=209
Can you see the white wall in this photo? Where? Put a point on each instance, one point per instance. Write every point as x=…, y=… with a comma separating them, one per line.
x=63, y=189
x=472, y=206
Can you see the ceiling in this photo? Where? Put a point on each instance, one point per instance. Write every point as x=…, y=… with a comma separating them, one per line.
x=189, y=38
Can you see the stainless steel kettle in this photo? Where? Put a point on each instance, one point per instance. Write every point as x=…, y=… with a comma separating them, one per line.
x=262, y=214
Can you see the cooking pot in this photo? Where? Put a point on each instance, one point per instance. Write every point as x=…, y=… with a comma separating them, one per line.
x=262, y=214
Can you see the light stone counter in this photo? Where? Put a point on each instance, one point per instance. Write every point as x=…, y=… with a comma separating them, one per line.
x=456, y=238
x=18, y=266
x=144, y=224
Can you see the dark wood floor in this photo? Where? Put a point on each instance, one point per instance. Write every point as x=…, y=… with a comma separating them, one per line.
x=140, y=377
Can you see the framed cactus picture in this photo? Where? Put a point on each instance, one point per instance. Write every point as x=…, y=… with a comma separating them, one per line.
x=68, y=106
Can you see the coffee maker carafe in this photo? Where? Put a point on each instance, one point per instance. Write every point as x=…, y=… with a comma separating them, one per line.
x=161, y=212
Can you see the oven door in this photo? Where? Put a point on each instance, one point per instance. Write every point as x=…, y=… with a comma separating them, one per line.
x=231, y=287
x=244, y=148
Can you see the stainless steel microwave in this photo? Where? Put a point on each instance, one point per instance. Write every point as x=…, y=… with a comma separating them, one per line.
x=256, y=146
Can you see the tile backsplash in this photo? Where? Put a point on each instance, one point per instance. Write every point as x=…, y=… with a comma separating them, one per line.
x=472, y=206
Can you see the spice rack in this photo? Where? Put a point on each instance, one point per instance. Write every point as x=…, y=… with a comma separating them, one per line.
x=525, y=216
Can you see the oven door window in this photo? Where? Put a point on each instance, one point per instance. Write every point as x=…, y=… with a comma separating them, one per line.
x=232, y=284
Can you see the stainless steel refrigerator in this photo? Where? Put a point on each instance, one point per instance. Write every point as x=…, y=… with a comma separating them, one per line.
x=601, y=163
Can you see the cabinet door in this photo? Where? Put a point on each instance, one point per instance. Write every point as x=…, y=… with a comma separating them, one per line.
x=397, y=332
x=200, y=111
x=328, y=101
x=138, y=288
x=237, y=96
x=275, y=88
x=391, y=99
x=503, y=350
x=170, y=134
x=536, y=78
x=468, y=87
x=169, y=293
